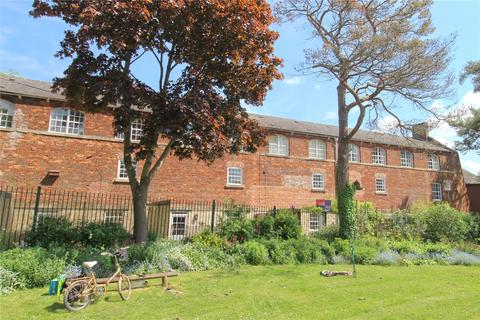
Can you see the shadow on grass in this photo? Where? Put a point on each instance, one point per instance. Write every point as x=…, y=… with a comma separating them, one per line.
x=55, y=307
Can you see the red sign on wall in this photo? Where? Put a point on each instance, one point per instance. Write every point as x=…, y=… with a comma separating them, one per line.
x=320, y=202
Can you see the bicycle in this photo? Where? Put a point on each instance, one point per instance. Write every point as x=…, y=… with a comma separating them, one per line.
x=80, y=293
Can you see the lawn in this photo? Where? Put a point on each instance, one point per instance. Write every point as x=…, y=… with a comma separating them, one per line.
x=280, y=292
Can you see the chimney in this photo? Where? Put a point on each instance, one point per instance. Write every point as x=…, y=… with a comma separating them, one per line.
x=420, y=131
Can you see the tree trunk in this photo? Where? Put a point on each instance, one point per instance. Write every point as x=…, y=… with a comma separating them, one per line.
x=342, y=167
x=140, y=213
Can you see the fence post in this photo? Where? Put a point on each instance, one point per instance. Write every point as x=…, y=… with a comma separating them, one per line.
x=212, y=223
x=35, y=209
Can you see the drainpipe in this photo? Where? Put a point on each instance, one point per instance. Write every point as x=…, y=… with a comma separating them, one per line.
x=336, y=149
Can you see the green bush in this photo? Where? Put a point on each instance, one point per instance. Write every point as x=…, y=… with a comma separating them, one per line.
x=283, y=224
x=35, y=267
x=406, y=246
x=402, y=225
x=279, y=252
x=328, y=233
x=473, y=225
x=58, y=231
x=307, y=250
x=210, y=239
x=442, y=223
x=365, y=253
x=51, y=231
x=165, y=255
x=369, y=221
x=236, y=227
x=255, y=253
x=104, y=235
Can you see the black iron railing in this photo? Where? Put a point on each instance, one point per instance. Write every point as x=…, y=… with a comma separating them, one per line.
x=22, y=207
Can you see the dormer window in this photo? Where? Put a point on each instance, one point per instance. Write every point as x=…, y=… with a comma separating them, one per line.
x=278, y=145
x=64, y=120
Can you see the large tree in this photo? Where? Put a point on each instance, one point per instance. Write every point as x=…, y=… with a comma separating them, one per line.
x=208, y=56
x=381, y=55
x=468, y=125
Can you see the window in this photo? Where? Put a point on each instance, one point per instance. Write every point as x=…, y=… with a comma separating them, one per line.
x=136, y=131
x=64, y=120
x=179, y=225
x=122, y=171
x=315, y=222
x=317, y=149
x=234, y=176
x=380, y=185
x=114, y=216
x=278, y=145
x=354, y=153
x=379, y=156
x=318, y=181
x=436, y=191
x=406, y=159
x=433, y=162
x=6, y=114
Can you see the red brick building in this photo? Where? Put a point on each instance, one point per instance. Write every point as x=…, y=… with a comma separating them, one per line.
x=472, y=183
x=43, y=141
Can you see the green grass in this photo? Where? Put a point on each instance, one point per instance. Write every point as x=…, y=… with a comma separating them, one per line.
x=280, y=292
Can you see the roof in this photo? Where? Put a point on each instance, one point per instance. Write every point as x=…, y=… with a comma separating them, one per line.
x=314, y=128
x=42, y=89
x=470, y=178
x=28, y=88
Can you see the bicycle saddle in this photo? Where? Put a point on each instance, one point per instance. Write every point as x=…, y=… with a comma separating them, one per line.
x=89, y=264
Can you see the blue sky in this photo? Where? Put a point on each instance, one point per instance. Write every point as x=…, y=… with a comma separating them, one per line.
x=27, y=46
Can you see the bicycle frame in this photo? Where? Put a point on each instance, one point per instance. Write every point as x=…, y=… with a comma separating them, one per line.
x=92, y=280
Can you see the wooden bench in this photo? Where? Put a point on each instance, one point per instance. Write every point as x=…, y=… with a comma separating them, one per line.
x=164, y=276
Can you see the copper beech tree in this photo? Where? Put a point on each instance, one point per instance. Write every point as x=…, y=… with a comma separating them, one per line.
x=208, y=57
x=383, y=59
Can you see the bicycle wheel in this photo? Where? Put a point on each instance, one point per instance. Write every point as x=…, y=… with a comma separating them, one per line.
x=77, y=296
x=124, y=287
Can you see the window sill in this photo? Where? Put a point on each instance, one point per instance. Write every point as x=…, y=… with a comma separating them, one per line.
x=277, y=155
x=378, y=193
x=318, y=190
x=234, y=186
x=121, y=180
x=65, y=133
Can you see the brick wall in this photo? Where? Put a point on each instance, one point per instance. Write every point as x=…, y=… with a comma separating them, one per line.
x=89, y=163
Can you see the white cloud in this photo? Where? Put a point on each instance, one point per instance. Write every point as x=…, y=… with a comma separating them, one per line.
x=471, y=99
x=471, y=166
x=445, y=134
x=331, y=115
x=292, y=81
x=387, y=124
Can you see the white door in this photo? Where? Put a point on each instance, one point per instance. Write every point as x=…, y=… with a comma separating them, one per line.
x=178, y=226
